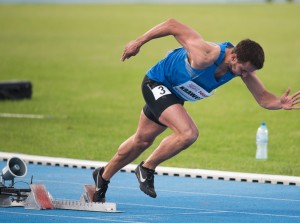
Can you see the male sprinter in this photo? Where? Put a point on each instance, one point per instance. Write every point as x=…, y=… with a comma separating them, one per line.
x=188, y=73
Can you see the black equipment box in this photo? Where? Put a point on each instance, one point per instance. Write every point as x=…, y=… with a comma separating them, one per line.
x=15, y=90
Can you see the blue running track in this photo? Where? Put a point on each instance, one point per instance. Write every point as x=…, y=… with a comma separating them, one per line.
x=180, y=199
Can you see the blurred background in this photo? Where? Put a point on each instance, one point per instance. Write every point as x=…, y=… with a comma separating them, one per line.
x=85, y=102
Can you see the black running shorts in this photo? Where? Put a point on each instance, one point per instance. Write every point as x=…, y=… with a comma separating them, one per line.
x=157, y=98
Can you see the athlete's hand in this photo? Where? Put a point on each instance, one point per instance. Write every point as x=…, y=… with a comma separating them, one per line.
x=131, y=49
x=290, y=102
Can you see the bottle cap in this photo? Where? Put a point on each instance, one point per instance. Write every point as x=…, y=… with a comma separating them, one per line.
x=263, y=124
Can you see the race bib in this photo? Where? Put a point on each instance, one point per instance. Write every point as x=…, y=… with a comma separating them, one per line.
x=190, y=91
x=160, y=91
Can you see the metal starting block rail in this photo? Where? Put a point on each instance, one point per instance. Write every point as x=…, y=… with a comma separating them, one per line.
x=83, y=206
x=40, y=199
x=85, y=203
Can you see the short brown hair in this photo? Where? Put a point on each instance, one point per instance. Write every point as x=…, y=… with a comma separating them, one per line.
x=250, y=51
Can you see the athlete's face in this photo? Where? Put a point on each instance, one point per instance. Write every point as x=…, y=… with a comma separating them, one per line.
x=240, y=69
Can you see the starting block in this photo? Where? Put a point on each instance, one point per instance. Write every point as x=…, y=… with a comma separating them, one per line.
x=40, y=199
x=37, y=196
x=86, y=202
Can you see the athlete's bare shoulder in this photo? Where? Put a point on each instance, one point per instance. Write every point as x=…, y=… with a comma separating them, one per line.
x=205, y=55
x=213, y=50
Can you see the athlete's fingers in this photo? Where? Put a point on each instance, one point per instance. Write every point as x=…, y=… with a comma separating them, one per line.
x=125, y=55
x=296, y=95
x=287, y=92
x=295, y=102
x=296, y=107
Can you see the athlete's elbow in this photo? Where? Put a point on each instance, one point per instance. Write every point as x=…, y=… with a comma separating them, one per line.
x=172, y=24
x=171, y=21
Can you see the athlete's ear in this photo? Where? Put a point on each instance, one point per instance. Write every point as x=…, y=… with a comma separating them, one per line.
x=233, y=57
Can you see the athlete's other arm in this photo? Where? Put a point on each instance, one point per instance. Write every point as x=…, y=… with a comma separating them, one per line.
x=200, y=52
x=267, y=99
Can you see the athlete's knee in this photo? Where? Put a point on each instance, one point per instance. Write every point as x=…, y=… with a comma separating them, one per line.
x=189, y=137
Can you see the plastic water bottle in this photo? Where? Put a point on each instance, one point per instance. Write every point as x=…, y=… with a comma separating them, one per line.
x=262, y=142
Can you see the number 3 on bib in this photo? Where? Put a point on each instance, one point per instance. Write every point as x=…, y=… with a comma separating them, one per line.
x=160, y=91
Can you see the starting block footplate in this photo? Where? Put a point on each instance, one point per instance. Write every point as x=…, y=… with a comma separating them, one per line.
x=39, y=198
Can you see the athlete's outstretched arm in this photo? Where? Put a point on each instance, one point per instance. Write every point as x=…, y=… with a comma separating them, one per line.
x=186, y=36
x=267, y=99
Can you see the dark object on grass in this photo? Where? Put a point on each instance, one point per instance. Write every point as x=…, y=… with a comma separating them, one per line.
x=15, y=90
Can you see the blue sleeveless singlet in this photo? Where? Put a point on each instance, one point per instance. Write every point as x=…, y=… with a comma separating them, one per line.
x=187, y=83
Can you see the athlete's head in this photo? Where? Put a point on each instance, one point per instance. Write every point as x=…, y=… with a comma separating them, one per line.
x=250, y=51
x=247, y=56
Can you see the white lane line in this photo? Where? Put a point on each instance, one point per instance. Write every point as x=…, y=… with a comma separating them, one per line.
x=231, y=195
x=186, y=192
x=69, y=216
x=213, y=211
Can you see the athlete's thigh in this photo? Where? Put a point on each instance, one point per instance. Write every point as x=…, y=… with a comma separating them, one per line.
x=177, y=119
x=158, y=98
x=147, y=129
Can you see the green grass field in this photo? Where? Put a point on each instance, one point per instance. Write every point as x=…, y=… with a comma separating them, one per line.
x=71, y=55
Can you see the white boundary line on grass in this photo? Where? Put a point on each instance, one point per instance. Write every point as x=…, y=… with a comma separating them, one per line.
x=30, y=116
x=169, y=171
